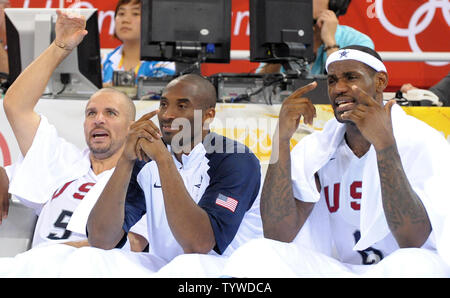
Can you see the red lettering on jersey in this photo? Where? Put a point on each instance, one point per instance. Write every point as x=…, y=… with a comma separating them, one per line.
x=58, y=193
x=355, y=194
x=333, y=208
x=84, y=189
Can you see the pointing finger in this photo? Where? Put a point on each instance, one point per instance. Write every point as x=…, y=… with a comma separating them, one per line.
x=303, y=90
x=388, y=106
x=149, y=115
x=362, y=97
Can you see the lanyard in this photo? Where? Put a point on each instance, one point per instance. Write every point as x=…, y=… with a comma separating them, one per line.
x=136, y=69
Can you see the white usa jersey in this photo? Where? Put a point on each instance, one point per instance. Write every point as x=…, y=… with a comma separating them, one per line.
x=341, y=188
x=56, y=213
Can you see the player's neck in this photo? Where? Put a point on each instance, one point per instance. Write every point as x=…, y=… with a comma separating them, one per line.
x=186, y=150
x=356, y=141
x=99, y=164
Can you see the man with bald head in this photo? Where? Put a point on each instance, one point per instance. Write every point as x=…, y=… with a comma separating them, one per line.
x=199, y=198
x=54, y=176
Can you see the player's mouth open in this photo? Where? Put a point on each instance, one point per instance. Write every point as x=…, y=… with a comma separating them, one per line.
x=99, y=135
x=344, y=104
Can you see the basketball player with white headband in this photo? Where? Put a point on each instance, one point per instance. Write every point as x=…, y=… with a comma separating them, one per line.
x=366, y=196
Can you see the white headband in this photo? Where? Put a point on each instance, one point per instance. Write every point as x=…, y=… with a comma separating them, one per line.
x=351, y=54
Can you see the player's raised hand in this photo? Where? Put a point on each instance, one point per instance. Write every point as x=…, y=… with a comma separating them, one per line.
x=143, y=128
x=293, y=109
x=372, y=119
x=70, y=30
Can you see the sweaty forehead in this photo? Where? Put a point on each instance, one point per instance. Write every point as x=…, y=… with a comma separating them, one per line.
x=106, y=99
x=345, y=66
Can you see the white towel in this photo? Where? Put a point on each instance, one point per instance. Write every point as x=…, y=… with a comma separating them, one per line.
x=80, y=216
x=425, y=156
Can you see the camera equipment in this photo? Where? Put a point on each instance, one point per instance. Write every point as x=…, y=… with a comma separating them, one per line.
x=124, y=78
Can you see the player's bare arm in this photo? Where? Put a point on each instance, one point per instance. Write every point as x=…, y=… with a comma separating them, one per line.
x=4, y=195
x=24, y=93
x=107, y=216
x=405, y=213
x=283, y=215
x=188, y=222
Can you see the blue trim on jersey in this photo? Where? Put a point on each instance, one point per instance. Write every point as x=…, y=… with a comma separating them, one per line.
x=135, y=206
x=235, y=175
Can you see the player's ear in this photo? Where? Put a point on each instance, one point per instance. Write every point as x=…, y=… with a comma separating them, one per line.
x=381, y=81
x=209, y=113
x=208, y=117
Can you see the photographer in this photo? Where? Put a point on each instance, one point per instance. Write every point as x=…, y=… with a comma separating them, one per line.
x=329, y=35
x=127, y=56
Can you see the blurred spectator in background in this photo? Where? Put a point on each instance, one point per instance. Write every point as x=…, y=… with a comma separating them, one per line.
x=328, y=37
x=3, y=49
x=441, y=89
x=127, y=57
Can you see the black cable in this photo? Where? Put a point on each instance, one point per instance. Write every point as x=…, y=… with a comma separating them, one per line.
x=65, y=80
x=266, y=83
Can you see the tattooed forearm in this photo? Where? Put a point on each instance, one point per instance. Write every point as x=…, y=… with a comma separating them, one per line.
x=276, y=197
x=279, y=208
x=405, y=213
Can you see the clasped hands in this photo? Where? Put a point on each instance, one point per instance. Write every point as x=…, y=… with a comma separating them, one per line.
x=144, y=141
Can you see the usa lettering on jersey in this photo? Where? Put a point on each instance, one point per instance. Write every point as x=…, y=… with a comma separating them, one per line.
x=370, y=255
x=59, y=230
x=355, y=194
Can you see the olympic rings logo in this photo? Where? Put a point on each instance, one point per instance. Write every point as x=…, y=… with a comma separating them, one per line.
x=414, y=27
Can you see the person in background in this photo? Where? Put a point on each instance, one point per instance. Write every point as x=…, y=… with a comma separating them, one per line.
x=127, y=57
x=328, y=36
x=440, y=89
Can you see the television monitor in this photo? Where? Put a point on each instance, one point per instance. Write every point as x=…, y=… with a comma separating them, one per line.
x=186, y=31
x=30, y=31
x=281, y=31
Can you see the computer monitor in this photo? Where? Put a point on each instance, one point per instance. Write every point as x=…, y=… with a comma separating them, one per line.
x=281, y=31
x=186, y=31
x=31, y=30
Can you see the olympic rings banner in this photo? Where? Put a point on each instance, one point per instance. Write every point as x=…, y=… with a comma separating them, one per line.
x=393, y=25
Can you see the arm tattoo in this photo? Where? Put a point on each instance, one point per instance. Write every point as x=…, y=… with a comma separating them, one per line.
x=277, y=197
x=279, y=209
x=405, y=213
